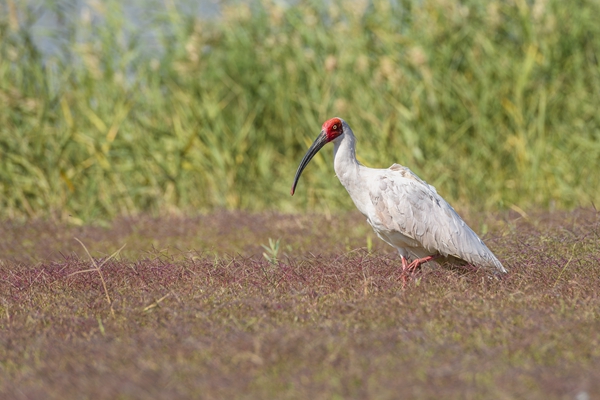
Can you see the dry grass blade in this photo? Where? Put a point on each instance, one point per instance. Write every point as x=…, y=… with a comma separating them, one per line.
x=97, y=268
x=566, y=265
x=156, y=303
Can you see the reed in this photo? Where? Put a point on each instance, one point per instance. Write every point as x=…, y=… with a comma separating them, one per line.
x=494, y=103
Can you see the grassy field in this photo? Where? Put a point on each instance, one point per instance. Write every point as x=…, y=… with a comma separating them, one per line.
x=495, y=103
x=191, y=308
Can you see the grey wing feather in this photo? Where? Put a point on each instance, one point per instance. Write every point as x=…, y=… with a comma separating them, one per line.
x=408, y=205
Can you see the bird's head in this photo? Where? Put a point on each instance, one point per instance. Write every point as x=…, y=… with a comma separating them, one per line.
x=331, y=129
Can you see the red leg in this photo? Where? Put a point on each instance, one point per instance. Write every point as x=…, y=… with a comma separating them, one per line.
x=404, y=268
x=404, y=263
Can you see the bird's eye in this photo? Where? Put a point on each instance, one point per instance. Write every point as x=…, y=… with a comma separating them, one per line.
x=334, y=127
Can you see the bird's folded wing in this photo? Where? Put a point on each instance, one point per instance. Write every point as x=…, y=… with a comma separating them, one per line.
x=406, y=204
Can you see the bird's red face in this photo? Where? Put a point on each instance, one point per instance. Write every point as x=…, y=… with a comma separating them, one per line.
x=330, y=130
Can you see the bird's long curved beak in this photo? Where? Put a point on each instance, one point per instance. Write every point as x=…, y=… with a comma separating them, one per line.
x=319, y=142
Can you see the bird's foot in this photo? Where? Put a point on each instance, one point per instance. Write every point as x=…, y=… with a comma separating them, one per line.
x=414, y=265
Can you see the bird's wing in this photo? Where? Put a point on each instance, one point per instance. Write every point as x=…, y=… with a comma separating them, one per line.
x=406, y=204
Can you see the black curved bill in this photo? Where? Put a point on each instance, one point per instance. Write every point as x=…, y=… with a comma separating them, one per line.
x=319, y=142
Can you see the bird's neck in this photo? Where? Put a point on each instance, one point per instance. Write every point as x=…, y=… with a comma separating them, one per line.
x=344, y=159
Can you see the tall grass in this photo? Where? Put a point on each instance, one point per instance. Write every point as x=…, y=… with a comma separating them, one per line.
x=496, y=103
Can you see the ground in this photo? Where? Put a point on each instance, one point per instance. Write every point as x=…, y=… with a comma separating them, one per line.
x=191, y=308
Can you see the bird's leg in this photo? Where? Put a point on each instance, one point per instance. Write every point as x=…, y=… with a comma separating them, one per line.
x=417, y=263
x=404, y=263
x=404, y=268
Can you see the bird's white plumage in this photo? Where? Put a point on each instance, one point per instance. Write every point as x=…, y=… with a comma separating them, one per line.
x=405, y=211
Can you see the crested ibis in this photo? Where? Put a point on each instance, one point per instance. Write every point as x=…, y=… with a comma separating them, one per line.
x=404, y=211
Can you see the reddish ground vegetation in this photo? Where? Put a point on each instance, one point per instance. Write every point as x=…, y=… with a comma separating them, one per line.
x=196, y=311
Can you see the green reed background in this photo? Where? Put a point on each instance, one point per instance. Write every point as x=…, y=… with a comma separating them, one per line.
x=496, y=103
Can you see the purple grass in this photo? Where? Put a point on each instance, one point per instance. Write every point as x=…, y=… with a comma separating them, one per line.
x=198, y=311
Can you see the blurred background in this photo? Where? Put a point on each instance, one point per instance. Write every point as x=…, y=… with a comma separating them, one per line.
x=112, y=108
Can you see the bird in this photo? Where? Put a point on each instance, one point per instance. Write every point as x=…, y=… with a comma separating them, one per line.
x=403, y=210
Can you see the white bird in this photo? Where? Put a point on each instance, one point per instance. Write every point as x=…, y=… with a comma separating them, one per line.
x=403, y=210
